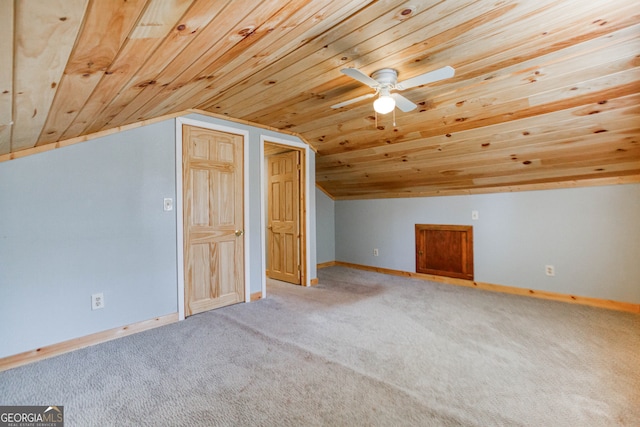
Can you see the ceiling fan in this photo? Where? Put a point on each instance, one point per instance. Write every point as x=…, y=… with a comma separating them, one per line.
x=386, y=80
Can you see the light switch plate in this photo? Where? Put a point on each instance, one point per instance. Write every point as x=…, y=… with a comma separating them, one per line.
x=475, y=215
x=168, y=204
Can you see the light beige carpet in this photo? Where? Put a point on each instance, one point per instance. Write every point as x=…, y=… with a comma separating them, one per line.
x=360, y=348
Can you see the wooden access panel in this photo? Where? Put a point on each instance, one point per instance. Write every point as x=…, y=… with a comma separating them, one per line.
x=445, y=250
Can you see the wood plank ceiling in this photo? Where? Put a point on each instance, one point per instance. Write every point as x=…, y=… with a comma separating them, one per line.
x=546, y=92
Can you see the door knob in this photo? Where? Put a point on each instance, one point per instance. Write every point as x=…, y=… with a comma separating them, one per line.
x=239, y=233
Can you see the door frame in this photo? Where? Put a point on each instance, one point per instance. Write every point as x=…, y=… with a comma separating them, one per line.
x=179, y=121
x=305, y=241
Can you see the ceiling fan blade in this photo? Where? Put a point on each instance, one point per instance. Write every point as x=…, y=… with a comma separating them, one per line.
x=430, y=77
x=354, y=100
x=403, y=103
x=354, y=73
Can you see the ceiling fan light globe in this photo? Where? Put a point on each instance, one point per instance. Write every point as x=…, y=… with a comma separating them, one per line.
x=385, y=104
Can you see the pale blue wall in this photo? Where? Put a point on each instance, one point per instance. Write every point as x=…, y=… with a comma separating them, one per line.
x=591, y=236
x=89, y=218
x=326, y=227
x=313, y=242
x=84, y=219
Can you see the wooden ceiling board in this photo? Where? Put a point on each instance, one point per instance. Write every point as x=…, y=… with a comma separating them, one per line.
x=545, y=92
x=45, y=32
x=619, y=114
x=277, y=28
x=457, y=87
x=159, y=17
x=163, y=17
x=476, y=164
x=126, y=23
x=521, y=182
x=406, y=51
x=106, y=26
x=231, y=26
x=325, y=52
x=452, y=153
x=516, y=148
x=442, y=153
x=271, y=149
x=455, y=114
x=319, y=64
x=299, y=29
x=491, y=171
x=177, y=47
x=6, y=77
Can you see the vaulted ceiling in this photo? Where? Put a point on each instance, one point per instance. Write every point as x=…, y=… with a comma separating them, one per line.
x=545, y=93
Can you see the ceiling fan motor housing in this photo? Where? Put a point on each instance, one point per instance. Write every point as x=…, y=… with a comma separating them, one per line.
x=386, y=77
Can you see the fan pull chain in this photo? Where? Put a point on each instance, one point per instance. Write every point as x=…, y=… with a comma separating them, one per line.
x=376, y=114
x=394, y=117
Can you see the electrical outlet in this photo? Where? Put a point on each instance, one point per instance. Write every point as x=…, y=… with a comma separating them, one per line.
x=97, y=301
x=168, y=204
x=549, y=270
x=475, y=215
x=375, y=252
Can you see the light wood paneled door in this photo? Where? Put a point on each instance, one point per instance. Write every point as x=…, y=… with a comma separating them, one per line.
x=213, y=219
x=283, y=231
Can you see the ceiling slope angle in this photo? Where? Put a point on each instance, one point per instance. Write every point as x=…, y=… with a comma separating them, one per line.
x=545, y=93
